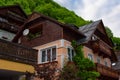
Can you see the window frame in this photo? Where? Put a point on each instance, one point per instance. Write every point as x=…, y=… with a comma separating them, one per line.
x=51, y=54
x=98, y=58
x=90, y=56
x=70, y=56
x=105, y=63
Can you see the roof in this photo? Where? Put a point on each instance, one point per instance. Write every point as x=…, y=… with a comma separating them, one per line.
x=88, y=30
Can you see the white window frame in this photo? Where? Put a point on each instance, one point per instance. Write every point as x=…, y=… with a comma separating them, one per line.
x=70, y=58
x=46, y=54
x=105, y=63
x=98, y=58
x=91, y=57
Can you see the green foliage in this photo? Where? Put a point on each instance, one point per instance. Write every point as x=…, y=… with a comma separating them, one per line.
x=33, y=35
x=109, y=32
x=116, y=41
x=49, y=8
x=84, y=65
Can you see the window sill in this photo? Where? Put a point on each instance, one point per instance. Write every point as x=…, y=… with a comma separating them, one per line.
x=55, y=61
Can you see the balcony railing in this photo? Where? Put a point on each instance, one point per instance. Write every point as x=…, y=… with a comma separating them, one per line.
x=18, y=53
x=8, y=26
x=100, y=46
x=107, y=71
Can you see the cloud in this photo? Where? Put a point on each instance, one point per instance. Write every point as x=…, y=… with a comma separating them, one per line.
x=108, y=11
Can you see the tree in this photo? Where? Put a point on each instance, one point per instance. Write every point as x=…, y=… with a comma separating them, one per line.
x=81, y=69
x=109, y=32
x=116, y=41
x=84, y=65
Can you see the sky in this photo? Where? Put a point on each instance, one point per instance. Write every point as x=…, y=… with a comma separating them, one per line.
x=107, y=10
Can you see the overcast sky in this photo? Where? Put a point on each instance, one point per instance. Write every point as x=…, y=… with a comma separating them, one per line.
x=107, y=10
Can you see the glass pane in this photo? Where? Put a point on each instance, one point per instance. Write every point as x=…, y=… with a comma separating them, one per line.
x=106, y=63
x=48, y=54
x=43, y=56
x=98, y=60
x=73, y=53
x=90, y=57
x=53, y=54
x=69, y=54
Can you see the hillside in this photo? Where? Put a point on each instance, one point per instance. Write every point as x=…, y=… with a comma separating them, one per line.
x=49, y=8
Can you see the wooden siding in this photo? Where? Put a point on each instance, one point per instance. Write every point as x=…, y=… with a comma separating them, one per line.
x=70, y=35
x=50, y=32
x=101, y=48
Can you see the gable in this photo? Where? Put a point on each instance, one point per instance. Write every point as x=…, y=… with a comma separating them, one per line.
x=101, y=33
x=33, y=16
x=101, y=28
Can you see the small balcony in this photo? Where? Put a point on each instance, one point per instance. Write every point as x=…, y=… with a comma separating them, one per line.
x=107, y=71
x=100, y=46
x=18, y=53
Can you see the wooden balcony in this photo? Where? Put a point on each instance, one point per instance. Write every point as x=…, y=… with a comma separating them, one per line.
x=9, y=27
x=100, y=47
x=107, y=71
x=18, y=53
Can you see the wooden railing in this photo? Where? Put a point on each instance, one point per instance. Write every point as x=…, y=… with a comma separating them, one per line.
x=99, y=46
x=8, y=26
x=18, y=53
x=107, y=71
x=104, y=48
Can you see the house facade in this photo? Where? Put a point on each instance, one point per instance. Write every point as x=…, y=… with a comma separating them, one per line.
x=16, y=61
x=99, y=48
x=53, y=40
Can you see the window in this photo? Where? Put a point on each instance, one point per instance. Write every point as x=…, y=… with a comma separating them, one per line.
x=35, y=32
x=106, y=64
x=48, y=54
x=98, y=59
x=90, y=56
x=71, y=54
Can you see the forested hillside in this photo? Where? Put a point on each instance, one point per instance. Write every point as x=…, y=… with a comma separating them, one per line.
x=49, y=8
x=116, y=40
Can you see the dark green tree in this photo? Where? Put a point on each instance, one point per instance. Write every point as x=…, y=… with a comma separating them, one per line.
x=109, y=32
x=116, y=41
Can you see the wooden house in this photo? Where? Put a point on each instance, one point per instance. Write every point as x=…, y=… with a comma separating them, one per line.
x=16, y=61
x=53, y=39
x=99, y=48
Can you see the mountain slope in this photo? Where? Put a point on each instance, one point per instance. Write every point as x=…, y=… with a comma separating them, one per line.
x=49, y=8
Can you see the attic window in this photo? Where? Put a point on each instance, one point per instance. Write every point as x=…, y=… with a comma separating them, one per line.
x=35, y=32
